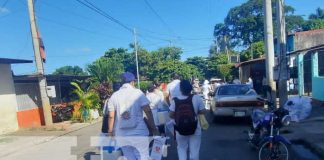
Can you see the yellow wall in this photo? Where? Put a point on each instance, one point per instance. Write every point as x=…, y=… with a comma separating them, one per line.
x=8, y=102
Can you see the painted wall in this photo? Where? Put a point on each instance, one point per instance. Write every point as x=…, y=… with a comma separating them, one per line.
x=318, y=81
x=28, y=99
x=8, y=102
x=303, y=41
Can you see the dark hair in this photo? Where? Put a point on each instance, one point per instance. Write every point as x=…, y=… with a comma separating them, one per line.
x=185, y=87
x=151, y=88
x=175, y=76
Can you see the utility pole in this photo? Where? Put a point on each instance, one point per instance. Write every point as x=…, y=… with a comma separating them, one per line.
x=281, y=51
x=137, y=71
x=40, y=68
x=268, y=38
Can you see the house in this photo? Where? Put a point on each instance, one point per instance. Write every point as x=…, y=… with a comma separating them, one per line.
x=310, y=67
x=30, y=113
x=305, y=60
x=8, y=99
x=256, y=69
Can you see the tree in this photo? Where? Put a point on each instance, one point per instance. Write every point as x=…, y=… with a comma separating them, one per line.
x=316, y=20
x=70, y=70
x=318, y=15
x=105, y=70
x=167, y=53
x=243, y=24
x=164, y=70
x=313, y=24
x=256, y=48
x=200, y=63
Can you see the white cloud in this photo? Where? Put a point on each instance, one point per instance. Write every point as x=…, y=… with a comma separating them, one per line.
x=77, y=50
x=4, y=11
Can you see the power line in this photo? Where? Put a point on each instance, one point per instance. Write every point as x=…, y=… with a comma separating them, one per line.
x=99, y=11
x=159, y=17
x=77, y=28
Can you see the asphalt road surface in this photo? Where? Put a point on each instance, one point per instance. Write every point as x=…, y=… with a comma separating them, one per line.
x=224, y=140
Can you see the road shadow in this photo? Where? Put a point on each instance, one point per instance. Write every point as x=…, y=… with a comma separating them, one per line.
x=91, y=156
x=241, y=121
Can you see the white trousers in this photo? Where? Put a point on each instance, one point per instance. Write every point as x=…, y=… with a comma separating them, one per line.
x=193, y=142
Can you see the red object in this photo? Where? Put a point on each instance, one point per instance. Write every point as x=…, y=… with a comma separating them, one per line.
x=41, y=47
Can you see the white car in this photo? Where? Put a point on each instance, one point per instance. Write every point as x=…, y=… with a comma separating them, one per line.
x=235, y=100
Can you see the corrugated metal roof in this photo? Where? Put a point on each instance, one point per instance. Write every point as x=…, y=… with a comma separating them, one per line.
x=11, y=61
x=249, y=62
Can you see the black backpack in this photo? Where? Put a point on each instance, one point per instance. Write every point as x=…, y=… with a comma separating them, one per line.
x=186, y=120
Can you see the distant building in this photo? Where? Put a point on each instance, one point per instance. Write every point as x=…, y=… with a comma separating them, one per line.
x=305, y=52
x=30, y=113
x=20, y=104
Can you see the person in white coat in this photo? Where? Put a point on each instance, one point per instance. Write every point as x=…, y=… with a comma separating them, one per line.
x=206, y=89
x=125, y=118
x=191, y=141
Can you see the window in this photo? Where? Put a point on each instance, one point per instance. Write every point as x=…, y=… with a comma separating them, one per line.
x=321, y=63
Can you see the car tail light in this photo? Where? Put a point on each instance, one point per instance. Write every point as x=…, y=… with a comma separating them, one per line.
x=260, y=103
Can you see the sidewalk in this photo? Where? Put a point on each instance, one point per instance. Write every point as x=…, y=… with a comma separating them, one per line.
x=27, y=138
x=309, y=133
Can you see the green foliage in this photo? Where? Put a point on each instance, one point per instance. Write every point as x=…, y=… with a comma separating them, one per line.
x=318, y=15
x=244, y=24
x=70, y=70
x=314, y=24
x=145, y=85
x=87, y=99
x=105, y=70
x=167, y=53
x=200, y=63
x=225, y=70
x=256, y=48
x=163, y=70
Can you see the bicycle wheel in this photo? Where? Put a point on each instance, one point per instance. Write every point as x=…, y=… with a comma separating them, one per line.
x=273, y=151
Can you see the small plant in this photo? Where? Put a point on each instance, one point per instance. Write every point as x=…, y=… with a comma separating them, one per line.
x=87, y=100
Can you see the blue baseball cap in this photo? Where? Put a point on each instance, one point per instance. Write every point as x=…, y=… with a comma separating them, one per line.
x=128, y=77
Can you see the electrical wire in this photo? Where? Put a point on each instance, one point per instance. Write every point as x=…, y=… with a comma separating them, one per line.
x=159, y=17
x=106, y=15
x=78, y=28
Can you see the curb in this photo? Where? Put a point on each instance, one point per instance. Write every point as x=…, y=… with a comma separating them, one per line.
x=51, y=137
x=313, y=148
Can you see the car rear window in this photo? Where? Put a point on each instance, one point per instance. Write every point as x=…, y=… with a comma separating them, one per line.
x=236, y=90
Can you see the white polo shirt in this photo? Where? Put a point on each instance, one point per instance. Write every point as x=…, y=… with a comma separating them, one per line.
x=198, y=105
x=128, y=98
x=173, y=89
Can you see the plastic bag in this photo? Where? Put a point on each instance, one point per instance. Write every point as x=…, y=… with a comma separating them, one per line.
x=159, y=148
x=299, y=107
x=203, y=122
x=108, y=148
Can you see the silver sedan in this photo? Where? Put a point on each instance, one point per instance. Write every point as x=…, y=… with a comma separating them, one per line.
x=236, y=100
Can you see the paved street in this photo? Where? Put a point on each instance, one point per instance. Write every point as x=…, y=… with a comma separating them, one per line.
x=224, y=140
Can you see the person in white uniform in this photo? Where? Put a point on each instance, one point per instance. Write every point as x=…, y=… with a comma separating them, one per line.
x=173, y=88
x=156, y=102
x=125, y=117
x=205, y=90
x=191, y=141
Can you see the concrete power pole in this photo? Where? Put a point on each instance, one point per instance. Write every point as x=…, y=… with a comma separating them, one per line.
x=39, y=64
x=269, y=48
x=137, y=71
x=281, y=51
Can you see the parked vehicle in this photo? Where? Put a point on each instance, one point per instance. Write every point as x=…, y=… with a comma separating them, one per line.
x=265, y=132
x=61, y=113
x=236, y=100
